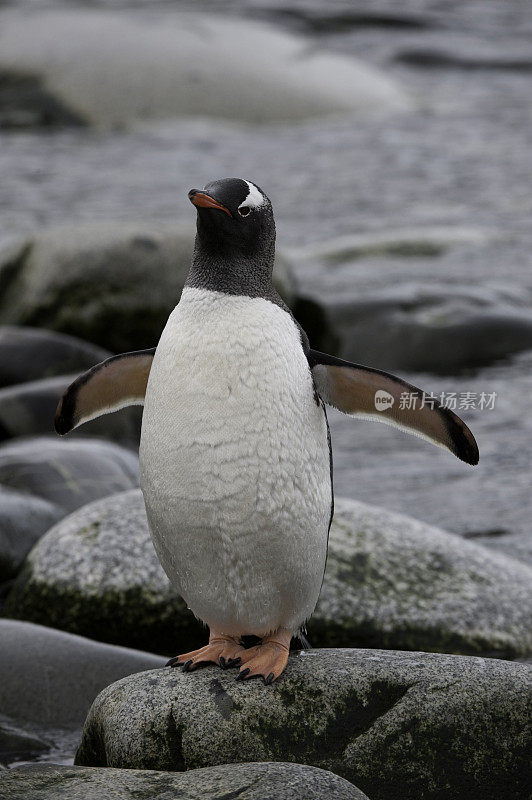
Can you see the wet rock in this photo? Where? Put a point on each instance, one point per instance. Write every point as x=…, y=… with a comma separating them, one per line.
x=27, y=354
x=25, y=102
x=485, y=60
x=18, y=745
x=409, y=725
x=325, y=20
x=42, y=479
x=390, y=581
x=28, y=409
x=409, y=242
x=73, y=53
x=48, y=678
x=379, y=299
x=60, y=279
x=23, y=520
x=67, y=473
x=436, y=329
x=267, y=781
x=97, y=574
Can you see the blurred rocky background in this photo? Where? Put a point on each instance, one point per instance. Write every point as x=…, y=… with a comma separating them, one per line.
x=395, y=142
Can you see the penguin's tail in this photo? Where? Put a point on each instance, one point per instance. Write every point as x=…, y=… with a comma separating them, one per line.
x=300, y=642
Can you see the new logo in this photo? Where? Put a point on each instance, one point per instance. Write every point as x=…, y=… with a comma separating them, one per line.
x=383, y=400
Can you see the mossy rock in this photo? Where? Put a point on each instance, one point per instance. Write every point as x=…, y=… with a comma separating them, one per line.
x=393, y=581
x=113, y=284
x=97, y=575
x=390, y=582
x=409, y=725
x=44, y=478
x=269, y=781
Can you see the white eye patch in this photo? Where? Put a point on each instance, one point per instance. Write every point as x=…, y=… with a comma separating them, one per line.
x=255, y=198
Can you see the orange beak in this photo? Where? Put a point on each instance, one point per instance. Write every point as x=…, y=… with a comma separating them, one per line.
x=202, y=200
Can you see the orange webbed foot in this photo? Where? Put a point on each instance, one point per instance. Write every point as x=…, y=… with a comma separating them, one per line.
x=226, y=651
x=268, y=659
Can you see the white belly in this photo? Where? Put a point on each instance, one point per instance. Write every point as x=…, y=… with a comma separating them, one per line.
x=235, y=464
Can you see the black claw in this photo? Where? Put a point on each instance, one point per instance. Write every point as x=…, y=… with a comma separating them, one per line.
x=223, y=663
x=269, y=679
x=241, y=675
x=186, y=665
x=234, y=662
x=173, y=662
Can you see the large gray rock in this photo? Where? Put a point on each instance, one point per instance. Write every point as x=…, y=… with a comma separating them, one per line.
x=108, y=69
x=387, y=298
x=43, y=479
x=410, y=242
x=97, y=574
x=383, y=301
x=390, y=582
x=28, y=409
x=23, y=520
x=110, y=283
x=25, y=102
x=406, y=319
x=408, y=725
x=67, y=472
x=436, y=329
x=17, y=745
x=267, y=781
x=48, y=678
x=27, y=354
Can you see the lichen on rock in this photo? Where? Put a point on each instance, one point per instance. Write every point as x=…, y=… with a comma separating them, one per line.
x=409, y=725
x=390, y=581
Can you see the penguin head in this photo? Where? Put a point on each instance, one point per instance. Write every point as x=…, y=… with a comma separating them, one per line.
x=234, y=215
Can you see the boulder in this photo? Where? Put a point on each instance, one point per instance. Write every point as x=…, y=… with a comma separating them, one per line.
x=25, y=102
x=28, y=409
x=107, y=69
x=379, y=298
x=114, y=284
x=23, y=520
x=48, y=678
x=27, y=354
x=390, y=581
x=418, y=327
x=408, y=725
x=97, y=574
x=18, y=745
x=67, y=472
x=339, y=20
x=472, y=56
x=432, y=329
x=42, y=479
x=268, y=781
x=412, y=242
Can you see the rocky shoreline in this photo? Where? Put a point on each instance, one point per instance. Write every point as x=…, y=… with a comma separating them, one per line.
x=396, y=148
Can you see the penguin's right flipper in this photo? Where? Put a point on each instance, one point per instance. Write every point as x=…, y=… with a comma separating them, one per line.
x=356, y=390
x=115, y=383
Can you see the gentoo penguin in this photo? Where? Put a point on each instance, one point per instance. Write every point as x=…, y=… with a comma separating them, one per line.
x=235, y=448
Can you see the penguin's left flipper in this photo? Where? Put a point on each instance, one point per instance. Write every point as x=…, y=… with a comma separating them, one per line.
x=372, y=394
x=115, y=383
